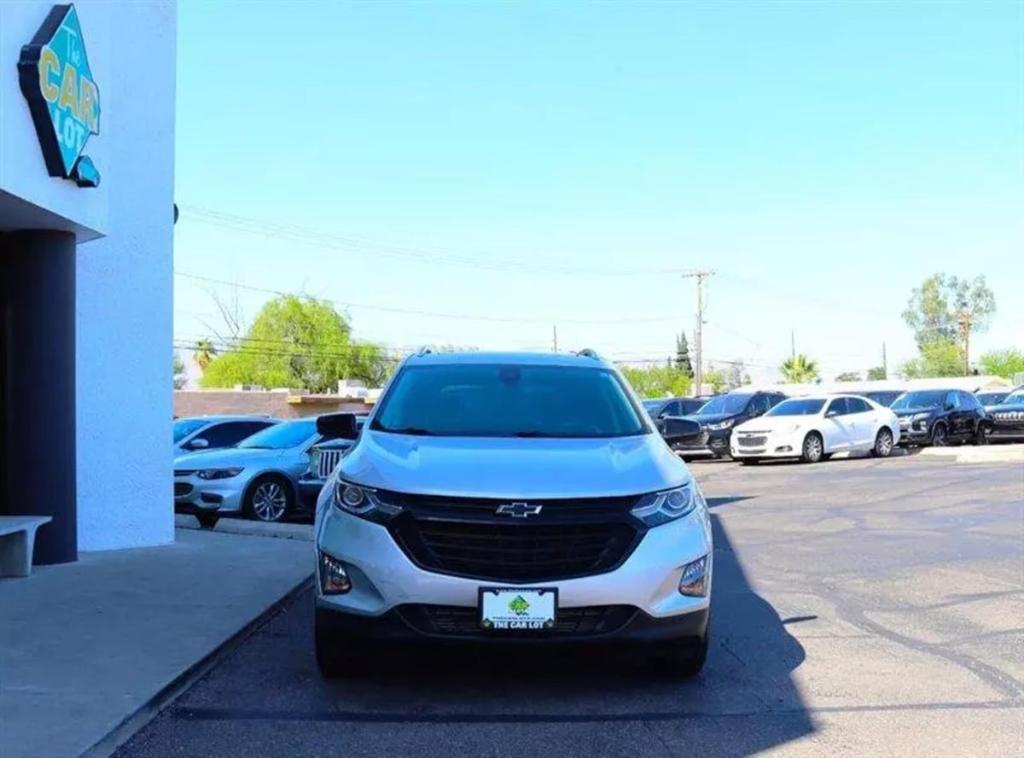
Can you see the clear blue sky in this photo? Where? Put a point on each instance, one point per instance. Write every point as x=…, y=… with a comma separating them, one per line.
x=477, y=159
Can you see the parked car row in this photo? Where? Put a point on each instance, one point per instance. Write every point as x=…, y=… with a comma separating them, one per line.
x=751, y=426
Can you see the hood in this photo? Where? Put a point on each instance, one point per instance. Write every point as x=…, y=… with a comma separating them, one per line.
x=774, y=423
x=499, y=467
x=903, y=412
x=231, y=456
x=711, y=418
x=1005, y=408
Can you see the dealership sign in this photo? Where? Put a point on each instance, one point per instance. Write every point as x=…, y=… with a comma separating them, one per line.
x=62, y=95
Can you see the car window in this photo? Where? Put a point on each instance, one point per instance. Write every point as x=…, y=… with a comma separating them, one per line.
x=691, y=406
x=856, y=405
x=726, y=405
x=969, y=401
x=282, y=436
x=758, y=405
x=774, y=400
x=672, y=408
x=797, y=407
x=228, y=433
x=837, y=407
x=952, y=400
x=500, y=400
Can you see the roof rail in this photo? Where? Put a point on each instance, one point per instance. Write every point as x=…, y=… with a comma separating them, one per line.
x=588, y=353
x=425, y=350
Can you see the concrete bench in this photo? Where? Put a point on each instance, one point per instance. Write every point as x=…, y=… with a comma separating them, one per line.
x=17, y=539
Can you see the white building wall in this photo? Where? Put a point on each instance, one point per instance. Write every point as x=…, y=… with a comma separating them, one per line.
x=124, y=298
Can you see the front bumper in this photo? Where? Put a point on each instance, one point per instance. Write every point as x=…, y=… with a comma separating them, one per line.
x=915, y=434
x=384, y=578
x=413, y=622
x=775, y=445
x=192, y=494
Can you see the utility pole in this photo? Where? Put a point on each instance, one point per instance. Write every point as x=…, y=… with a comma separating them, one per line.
x=965, y=331
x=698, y=352
x=792, y=344
x=554, y=338
x=885, y=362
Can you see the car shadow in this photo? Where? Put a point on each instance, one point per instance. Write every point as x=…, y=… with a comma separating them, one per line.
x=748, y=676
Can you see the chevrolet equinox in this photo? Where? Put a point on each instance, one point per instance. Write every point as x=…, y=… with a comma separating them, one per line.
x=511, y=497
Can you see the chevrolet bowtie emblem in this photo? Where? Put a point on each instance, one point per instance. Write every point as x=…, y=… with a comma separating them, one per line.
x=518, y=510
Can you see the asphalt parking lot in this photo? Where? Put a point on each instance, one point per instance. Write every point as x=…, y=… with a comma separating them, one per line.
x=860, y=607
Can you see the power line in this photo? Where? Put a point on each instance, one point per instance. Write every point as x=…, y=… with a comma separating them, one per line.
x=434, y=314
x=316, y=238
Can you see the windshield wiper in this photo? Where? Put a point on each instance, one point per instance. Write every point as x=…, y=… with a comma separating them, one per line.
x=406, y=430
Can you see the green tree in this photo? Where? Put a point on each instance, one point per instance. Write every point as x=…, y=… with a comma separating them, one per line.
x=657, y=381
x=877, y=372
x=716, y=377
x=848, y=376
x=1004, y=363
x=298, y=342
x=937, y=358
x=799, y=369
x=935, y=309
x=203, y=353
x=683, y=355
x=178, y=377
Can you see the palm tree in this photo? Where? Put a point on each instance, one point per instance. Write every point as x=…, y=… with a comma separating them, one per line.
x=203, y=353
x=800, y=369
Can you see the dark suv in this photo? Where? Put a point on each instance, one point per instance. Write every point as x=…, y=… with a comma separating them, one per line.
x=721, y=413
x=938, y=417
x=665, y=407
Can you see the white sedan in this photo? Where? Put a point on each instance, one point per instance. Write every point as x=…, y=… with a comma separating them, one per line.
x=813, y=428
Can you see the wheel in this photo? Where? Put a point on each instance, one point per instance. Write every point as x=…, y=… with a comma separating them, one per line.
x=981, y=436
x=269, y=498
x=682, y=659
x=940, y=437
x=883, y=443
x=337, y=655
x=207, y=519
x=813, y=449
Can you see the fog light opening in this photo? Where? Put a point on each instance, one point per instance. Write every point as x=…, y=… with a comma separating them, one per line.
x=333, y=577
x=694, y=581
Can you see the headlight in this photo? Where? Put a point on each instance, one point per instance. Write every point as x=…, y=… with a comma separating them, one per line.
x=722, y=425
x=921, y=417
x=362, y=501
x=662, y=507
x=219, y=473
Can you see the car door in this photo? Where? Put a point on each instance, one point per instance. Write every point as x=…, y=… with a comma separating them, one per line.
x=973, y=413
x=758, y=406
x=954, y=414
x=863, y=423
x=835, y=427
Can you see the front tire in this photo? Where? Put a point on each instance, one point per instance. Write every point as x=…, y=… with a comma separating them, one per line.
x=207, y=519
x=813, y=449
x=940, y=436
x=981, y=436
x=883, y=444
x=269, y=499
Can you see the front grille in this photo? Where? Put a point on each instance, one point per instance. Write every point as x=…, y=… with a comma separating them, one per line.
x=184, y=471
x=182, y=488
x=699, y=443
x=465, y=537
x=449, y=620
x=327, y=461
x=753, y=441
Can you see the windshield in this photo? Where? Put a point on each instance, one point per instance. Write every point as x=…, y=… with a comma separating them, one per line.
x=1016, y=397
x=724, y=405
x=508, y=401
x=882, y=398
x=804, y=407
x=991, y=398
x=186, y=426
x=923, y=399
x=281, y=436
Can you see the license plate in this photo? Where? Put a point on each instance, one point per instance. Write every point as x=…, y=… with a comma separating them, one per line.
x=518, y=608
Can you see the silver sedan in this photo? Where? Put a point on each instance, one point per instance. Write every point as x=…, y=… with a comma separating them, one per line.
x=258, y=478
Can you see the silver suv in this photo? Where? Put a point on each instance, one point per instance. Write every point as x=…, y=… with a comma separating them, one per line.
x=510, y=497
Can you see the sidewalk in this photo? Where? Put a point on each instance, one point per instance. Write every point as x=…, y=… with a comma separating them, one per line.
x=84, y=646
x=995, y=453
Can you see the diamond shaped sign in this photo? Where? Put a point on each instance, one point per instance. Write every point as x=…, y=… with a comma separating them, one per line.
x=62, y=95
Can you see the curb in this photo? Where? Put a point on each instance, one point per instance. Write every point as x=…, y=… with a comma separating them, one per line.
x=170, y=692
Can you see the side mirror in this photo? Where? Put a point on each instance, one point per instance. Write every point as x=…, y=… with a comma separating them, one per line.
x=198, y=444
x=678, y=429
x=831, y=414
x=342, y=426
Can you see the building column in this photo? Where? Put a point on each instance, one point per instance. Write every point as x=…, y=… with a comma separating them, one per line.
x=37, y=386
